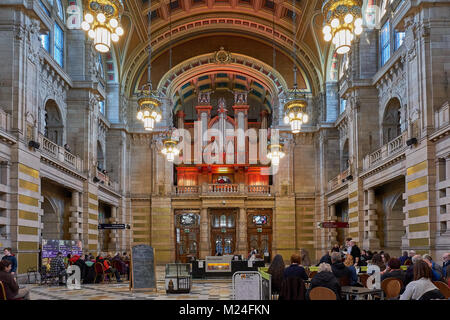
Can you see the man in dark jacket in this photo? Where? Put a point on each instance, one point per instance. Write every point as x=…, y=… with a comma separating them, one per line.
x=355, y=252
x=58, y=269
x=11, y=258
x=325, y=278
x=12, y=290
x=393, y=270
x=404, y=257
x=340, y=270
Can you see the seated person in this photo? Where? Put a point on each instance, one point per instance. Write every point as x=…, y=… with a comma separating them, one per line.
x=107, y=268
x=58, y=268
x=326, y=258
x=12, y=290
x=325, y=278
x=393, y=270
x=421, y=288
x=341, y=271
x=295, y=270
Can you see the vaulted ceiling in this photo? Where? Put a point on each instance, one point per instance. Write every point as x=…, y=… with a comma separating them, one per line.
x=247, y=27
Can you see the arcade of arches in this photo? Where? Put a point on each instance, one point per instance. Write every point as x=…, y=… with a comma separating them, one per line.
x=375, y=153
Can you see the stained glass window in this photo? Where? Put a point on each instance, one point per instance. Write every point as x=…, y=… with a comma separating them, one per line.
x=59, y=45
x=60, y=9
x=45, y=42
x=385, y=43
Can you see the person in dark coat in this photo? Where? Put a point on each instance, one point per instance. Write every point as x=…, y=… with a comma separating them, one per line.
x=404, y=257
x=355, y=252
x=8, y=255
x=340, y=270
x=326, y=258
x=325, y=278
x=276, y=269
x=295, y=270
x=393, y=270
x=293, y=285
x=335, y=248
x=12, y=290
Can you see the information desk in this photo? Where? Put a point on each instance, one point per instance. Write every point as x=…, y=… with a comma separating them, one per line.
x=222, y=266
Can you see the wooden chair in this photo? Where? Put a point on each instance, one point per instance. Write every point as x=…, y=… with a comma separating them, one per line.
x=2, y=292
x=322, y=293
x=363, y=279
x=443, y=288
x=344, y=281
x=393, y=289
x=384, y=287
x=99, y=271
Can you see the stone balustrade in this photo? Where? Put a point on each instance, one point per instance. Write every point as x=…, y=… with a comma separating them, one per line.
x=57, y=152
x=338, y=180
x=442, y=116
x=223, y=189
x=389, y=150
x=106, y=181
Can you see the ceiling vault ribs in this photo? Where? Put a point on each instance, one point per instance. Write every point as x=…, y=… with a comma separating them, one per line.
x=135, y=8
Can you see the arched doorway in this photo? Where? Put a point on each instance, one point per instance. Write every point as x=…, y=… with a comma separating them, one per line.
x=394, y=229
x=54, y=125
x=52, y=226
x=391, y=126
x=259, y=231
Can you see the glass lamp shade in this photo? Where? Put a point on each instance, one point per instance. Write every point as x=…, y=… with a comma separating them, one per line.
x=275, y=153
x=149, y=123
x=102, y=39
x=296, y=126
x=343, y=40
x=140, y=115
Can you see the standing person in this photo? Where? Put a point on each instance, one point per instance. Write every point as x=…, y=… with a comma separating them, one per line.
x=306, y=262
x=404, y=257
x=252, y=252
x=12, y=290
x=58, y=269
x=8, y=255
x=355, y=252
x=422, y=288
x=276, y=269
x=348, y=245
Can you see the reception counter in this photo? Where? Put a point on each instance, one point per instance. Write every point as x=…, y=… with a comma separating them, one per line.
x=222, y=266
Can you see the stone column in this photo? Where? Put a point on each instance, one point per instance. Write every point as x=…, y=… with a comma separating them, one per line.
x=204, y=115
x=205, y=248
x=76, y=219
x=371, y=240
x=333, y=232
x=240, y=115
x=264, y=121
x=241, y=231
x=113, y=233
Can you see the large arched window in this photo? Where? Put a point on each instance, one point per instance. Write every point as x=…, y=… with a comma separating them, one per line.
x=391, y=125
x=54, y=41
x=54, y=126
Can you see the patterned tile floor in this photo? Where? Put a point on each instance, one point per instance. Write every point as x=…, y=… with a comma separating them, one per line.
x=211, y=289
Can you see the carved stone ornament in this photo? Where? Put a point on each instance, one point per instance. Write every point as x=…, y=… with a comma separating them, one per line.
x=222, y=56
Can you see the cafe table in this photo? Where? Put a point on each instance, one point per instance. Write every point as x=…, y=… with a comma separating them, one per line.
x=359, y=292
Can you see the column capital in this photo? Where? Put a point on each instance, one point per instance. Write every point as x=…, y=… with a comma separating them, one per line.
x=240, y=108
x=200, y=109
x=180, y=114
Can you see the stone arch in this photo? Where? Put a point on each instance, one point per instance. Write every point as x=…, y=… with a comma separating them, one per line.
x=51, y=219
x=393, y=228
x=391, y=121
x=53, y=123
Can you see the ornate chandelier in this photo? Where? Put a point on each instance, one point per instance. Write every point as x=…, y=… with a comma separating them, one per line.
x=343, y=22
x=149, y=107
x=170, y=149
x=102, y=22
x=149, y=100
x=295, y=108
x=275, y=153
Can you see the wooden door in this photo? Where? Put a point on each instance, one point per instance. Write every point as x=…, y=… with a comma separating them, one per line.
x=187, y=235
x=259, y=231
x=223, y=232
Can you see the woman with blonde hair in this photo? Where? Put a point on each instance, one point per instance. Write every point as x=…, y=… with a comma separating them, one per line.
x=350, y=264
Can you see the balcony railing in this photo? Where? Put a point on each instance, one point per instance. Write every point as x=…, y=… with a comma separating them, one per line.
x=392, y=148
x=337, y=181
x=5, y=121
x=106, y=181
x=442, y=116
x=223, y=189
x=56, y=152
